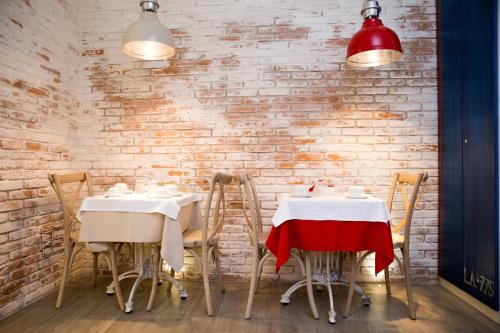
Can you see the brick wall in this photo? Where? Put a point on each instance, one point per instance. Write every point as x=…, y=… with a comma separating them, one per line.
x=256, y=86
x=39, y=85
x=262, y=87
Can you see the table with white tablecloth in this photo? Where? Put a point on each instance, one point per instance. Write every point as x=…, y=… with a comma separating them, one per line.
x=331, y=208
x=137, y=218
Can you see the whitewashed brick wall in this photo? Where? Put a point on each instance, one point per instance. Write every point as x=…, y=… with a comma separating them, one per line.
x=256, y=86
x=40, y=58
x=262, y=87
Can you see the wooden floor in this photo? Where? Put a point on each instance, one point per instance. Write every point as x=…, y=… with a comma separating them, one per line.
x=86, y=309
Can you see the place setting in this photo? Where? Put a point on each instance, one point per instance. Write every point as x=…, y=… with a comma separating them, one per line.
x=118, y=190
x=321, y=190
x=356, y=192
x=154, y=191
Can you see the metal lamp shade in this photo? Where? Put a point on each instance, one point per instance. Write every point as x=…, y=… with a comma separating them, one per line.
x=374, y=45
x=148, y=39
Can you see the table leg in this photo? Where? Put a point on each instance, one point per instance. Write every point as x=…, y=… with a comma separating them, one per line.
x=330, y=279
x=352, y=284
x=331, y=313
x=310, y=294
x=110, y=289
x=114, y=271
x=154, y=285
x=143, y=274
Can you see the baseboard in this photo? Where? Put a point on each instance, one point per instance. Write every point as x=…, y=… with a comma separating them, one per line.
x=484, y=309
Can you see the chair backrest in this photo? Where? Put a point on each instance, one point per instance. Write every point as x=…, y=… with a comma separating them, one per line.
x=218, y=187
x=251, y=204
x=69, y=204
x=401, y=182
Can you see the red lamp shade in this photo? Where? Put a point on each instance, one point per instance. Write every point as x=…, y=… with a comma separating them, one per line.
x=373, y=45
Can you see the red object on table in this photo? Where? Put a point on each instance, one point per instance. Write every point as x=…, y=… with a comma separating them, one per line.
x=311, y=235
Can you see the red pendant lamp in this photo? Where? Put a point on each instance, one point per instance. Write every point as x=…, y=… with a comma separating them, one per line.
x=375, y=44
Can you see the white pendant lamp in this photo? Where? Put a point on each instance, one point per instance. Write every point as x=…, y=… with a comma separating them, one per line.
x=148, y=38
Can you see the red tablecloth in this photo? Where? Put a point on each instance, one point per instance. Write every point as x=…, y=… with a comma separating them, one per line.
x=332, y=236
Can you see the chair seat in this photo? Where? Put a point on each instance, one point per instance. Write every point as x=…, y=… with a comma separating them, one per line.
x=398, y=240
x=193, y=238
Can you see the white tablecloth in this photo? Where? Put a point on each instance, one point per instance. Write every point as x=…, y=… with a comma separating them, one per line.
x=335, y=208
x=137, y=218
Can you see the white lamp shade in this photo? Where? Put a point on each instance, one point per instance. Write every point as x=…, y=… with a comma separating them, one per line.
x=148, y=39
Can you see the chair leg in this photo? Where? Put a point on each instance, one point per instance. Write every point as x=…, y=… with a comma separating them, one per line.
x=409, y=290
x=96, y=256
x=108, y=260
x=310, y=293
x=154, y=286
x=219, y=271
x=387, y=281
x=116, y=281
x=206, y=283
x=352, y=281
x=253, y=282
x=169, y=284
x=68, y=250
x=259, y=270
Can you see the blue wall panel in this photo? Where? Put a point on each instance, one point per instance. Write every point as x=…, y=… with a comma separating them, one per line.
x=450, y=105
x=468, y=138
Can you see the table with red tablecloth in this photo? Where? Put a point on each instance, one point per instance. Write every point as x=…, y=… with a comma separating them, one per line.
x=309, y=235
x=331, y=224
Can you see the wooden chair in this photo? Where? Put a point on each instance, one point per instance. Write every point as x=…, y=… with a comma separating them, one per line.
x=257, y=236
x=71, y=244
x=401, y=181
x=206, y=239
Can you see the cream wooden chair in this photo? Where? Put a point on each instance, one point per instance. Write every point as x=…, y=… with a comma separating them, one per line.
x=206, y=239
x=401, y=181
x=257, y=236
x=71, y=244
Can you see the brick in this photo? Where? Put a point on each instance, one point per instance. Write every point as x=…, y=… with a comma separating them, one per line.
x=10, y=205
x=6, y=185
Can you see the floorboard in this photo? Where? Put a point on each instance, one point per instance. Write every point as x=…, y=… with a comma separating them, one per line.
x=88, y=309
